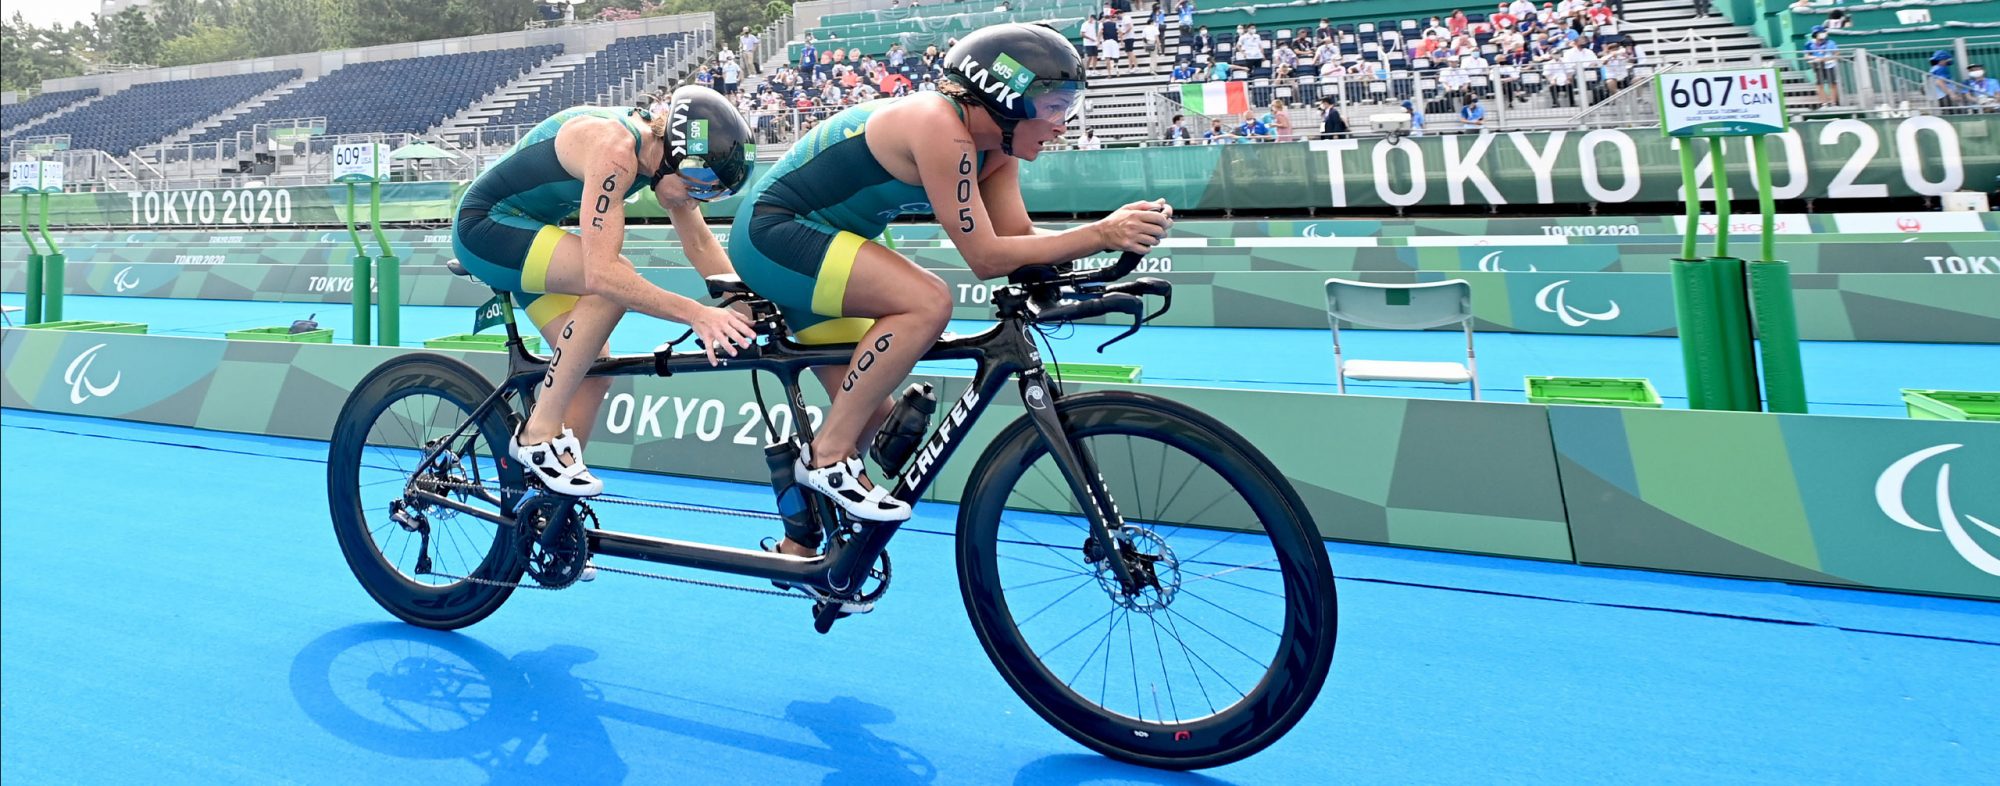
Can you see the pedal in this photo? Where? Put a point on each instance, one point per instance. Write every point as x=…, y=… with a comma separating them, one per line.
x=824, y=614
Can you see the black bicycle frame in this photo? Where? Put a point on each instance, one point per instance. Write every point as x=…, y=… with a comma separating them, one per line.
x=1005, y=350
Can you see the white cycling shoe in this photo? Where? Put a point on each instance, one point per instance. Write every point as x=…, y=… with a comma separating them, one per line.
x=841, y=482
x=545, y=461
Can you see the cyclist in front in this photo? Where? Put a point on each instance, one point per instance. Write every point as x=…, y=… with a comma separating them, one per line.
x=801, y=236
x=575, y=285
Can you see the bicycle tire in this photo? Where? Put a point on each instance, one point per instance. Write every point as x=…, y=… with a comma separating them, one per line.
x=1304, y=653
x=445, y=607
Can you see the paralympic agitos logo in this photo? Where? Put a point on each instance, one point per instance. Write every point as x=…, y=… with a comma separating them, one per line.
x=1889, y=498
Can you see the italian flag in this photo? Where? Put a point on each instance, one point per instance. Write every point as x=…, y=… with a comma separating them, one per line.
x=1215, y=98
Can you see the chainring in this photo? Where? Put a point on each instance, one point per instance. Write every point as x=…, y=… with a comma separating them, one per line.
x=561, y=564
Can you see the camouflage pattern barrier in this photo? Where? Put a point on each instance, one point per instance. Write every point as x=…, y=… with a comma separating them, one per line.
x=1859, y=502
x=1837, y=159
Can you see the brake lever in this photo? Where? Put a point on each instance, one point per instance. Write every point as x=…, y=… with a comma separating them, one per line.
x=1148, y=286
x=1129, y=304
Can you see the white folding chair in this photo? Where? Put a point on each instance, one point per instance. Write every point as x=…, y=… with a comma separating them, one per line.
x=1402, y=307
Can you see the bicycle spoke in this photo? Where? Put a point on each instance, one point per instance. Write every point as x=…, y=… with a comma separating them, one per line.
x=1038, y=612
x=1175, y=632
x=1161, y=650
x=1211, y=634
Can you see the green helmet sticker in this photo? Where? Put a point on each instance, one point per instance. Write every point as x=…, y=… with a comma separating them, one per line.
x=1015, y=77
x=697, y=141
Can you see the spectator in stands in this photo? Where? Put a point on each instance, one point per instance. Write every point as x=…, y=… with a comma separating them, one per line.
x=1578, y=58
x=747, y=42
x=1453, y=82
x=1600, y=14
x=1325, y=31
x=1185, y=13
x=1457, y=23
x=1562, y=80
x=1943, y=90
x=1108, y=48
x=732, y=74
x=1128, y=39
x=1279, y=119
x=1092, y=35
x=1253, y=128
x=1981, y=90
x=1331, y=124
x=1284, y=62
x=704, y=77
x=1149, y=37
x=1838, y=20
x=1218, y=71
x=1471, y=115
x=808, y=55
x=1216, y=135
x=1250, y=49
x=1204, y=45
x=1327, y=56
x=1178, y=133
x=1824, y=54
x=1617, y=65
x=1504, y=19
x=1474, y=65
x=1428, y=46
x=1507, y=72
x=1183, y=72
x=1089, y=141
x=1416, y=119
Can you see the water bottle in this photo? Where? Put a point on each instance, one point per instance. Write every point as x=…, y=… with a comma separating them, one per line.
x=904, y=429
x=792, y=504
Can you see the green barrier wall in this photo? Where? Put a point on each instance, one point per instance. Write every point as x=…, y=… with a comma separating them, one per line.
x=1845, y=501
x=1838, y=159
x=1831, y=307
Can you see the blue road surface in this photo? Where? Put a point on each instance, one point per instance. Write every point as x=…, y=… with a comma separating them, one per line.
x=174, y=609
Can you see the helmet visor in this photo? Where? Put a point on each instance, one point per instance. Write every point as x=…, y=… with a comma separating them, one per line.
x=703, y=184
x=1057, y=101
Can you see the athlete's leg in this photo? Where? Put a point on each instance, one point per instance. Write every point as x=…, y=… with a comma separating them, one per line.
x=911, y=307
x=831, y=377
x=581, y=414
x=577, y=335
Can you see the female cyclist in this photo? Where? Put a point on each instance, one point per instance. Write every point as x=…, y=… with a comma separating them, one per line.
x=801, y=236
x=575, y=285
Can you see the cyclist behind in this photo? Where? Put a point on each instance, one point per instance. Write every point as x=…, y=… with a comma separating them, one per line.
x=801, y=236
x=575, y=285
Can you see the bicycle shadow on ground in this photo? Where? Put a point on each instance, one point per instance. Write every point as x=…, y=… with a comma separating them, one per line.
x=413, y=693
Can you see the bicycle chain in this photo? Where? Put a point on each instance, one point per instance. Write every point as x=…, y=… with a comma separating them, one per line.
x=642, y=503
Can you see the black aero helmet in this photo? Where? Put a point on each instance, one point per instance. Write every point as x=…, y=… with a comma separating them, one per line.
x=708, y=143
x=1018, y=72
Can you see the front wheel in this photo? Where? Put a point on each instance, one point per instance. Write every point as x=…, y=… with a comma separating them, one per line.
x=1227, y=641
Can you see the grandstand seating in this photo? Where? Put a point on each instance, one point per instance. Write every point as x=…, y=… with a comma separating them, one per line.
x=12, y=115
x=146, y=113
x=392, y=96
x=592, y=77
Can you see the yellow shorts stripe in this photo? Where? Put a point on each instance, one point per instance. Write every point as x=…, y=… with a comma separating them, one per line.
x=846, y=330
x=535, y=270
x=547, y=308
x=830, y=289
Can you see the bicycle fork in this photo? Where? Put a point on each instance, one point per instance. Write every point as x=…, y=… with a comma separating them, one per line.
x=1079, y=469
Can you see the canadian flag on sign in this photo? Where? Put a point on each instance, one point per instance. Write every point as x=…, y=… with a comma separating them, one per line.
x=1760, y=81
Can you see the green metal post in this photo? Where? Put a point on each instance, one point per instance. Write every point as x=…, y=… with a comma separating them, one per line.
x=1717, y=152
x=34, y=314
x=1732, y=301
x=388, y=270
x=1694, y=305
x=1771, y=299
x=52, y=270
x=362, y=333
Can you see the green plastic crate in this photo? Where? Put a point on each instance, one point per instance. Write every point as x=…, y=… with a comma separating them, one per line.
x=92, y=326
x=479, y=343
x=284, y=334
x=1095, y=372
x=1952, y=405
x=1593, y=391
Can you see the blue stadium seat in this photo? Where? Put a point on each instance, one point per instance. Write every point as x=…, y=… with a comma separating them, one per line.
x=13, y=115
x=393, y=96
x=147, y=113
x=581, y=85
